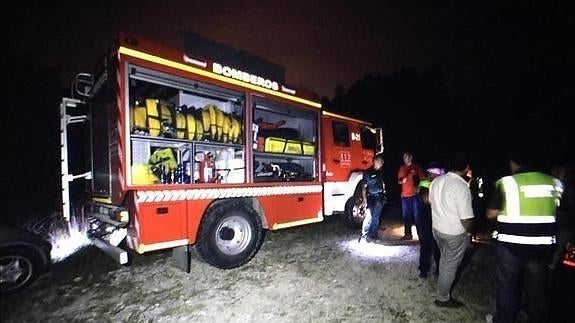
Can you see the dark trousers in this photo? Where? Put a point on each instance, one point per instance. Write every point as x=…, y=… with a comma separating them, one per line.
x=370, y=225
x=409, y=210
x=516, y=271
x=427, y=245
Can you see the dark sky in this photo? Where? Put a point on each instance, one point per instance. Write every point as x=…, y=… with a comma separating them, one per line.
x=320, y=43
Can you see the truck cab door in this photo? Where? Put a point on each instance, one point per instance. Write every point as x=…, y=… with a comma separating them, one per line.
x=342, y=149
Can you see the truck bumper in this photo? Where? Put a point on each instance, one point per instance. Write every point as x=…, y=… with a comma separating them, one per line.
x=108, y=229
x=118, y=254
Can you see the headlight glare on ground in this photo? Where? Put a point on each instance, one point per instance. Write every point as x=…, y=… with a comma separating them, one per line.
x=68, y=240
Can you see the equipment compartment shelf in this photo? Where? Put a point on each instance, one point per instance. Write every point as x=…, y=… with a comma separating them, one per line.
x=274, y=167
x=184, y=141
x=281, y=156
x=175, y=161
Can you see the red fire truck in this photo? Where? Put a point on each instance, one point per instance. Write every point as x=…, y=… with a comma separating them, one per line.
x=188, y=152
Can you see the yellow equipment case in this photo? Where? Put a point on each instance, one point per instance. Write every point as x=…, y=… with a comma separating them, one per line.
x=288, y=146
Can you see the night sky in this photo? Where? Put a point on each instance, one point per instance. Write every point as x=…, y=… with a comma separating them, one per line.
x=320, y=43
x=489, y=61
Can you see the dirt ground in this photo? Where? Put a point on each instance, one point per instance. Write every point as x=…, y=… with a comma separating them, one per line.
x=314, y=273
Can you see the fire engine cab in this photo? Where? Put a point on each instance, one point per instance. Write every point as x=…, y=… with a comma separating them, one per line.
x=189, y=152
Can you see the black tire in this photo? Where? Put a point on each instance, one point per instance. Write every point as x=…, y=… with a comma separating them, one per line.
x=230, y=234
x=351, y=217
x=19, y=267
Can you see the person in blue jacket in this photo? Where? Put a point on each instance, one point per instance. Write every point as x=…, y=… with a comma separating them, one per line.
x=373, y=199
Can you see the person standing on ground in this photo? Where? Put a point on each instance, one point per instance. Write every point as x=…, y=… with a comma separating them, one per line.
x=373, y=199
x=524, y=205
x=452, y=218
x=408, y=177
x=427, y=245
x=565, y=213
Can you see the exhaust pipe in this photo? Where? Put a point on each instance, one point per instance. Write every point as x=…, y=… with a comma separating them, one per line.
x=118, y=254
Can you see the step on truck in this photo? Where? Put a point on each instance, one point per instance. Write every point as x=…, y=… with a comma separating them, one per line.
x=187, y=152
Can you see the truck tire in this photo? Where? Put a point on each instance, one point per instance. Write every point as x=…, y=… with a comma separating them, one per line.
x=230, y=234
x=351, y=216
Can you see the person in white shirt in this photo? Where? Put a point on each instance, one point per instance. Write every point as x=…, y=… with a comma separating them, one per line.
x=452, y=215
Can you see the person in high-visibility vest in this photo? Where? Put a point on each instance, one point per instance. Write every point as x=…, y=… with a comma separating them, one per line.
x=524, y=205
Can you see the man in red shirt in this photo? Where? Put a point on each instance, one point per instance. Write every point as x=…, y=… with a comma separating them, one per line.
x=408, y=177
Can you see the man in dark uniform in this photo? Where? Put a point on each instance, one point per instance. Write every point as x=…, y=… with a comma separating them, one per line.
x=373, y=199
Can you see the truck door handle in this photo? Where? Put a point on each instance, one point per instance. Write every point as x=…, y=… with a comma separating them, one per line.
x=162, y=210
x=336, y=160
x=364, y=161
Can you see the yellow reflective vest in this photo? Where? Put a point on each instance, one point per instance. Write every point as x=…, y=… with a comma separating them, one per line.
x=530, y=201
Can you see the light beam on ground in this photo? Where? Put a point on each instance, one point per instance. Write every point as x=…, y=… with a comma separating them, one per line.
x=373, y=249
x=69, y=239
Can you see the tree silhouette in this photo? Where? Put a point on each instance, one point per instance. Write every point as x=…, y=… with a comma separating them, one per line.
x=525, y=111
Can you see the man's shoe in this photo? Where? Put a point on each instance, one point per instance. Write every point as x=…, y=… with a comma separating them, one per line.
x=451, y=303
x=407, y=237
x=422, y=275
x=366, y=238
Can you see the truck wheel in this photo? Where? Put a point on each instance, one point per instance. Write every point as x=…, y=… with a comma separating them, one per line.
x=351, y=217
x=230, y=235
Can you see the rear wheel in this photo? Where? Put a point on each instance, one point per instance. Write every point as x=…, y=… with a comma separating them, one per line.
x=230, y=234
x=352, y=217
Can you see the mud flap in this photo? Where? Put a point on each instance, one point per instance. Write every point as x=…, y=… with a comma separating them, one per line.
x=181, y=258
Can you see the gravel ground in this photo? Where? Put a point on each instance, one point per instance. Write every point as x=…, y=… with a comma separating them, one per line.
x=314, y=273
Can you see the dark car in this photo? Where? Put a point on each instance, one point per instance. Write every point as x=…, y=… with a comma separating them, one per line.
x=24, y=256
